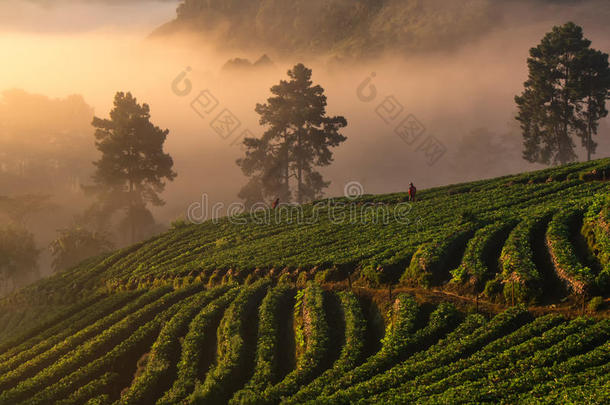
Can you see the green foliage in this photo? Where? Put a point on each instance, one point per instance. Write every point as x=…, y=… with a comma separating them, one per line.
x=312, y=359
x=567, y=265
x=522, y=280
x=133, y=167
x=76, y=244
x=564, y=96
x=265, y=368
x=351, y=354
x=431, y=260
x=344, y=29
x=18, y=256
x=595, y=304
x=148, y=386
x=99, y=318
x=191, y=358
x=229, y=371
x=298, y=139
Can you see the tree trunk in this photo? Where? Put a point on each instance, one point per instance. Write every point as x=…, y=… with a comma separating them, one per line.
x=132, y=222
x=299, y=170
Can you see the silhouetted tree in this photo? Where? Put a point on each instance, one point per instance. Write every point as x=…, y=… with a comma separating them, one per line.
x=76, y=244
x=595, y=83
x=299, y=138
x=133, y=168
x=18, y=257
x=564, y=95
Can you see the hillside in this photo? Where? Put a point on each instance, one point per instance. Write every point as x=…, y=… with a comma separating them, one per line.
x=345, y=28
x=270, y=307
x=361, y=28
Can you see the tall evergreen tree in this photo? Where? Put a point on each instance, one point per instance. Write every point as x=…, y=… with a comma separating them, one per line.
x=595, y=83
x=564, y=95
x=299, y=138
x=133, y=168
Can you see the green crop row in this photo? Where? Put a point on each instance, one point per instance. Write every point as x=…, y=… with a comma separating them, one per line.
x=441, y=321
x=351, y=354
x=199, y=331
x=316, y=338
x=45, y=359
x=567, y=265
x=90, y=390
x=474, y=268
x=596, y=229
x=230, y=370
x=401, y=325
x=582, y=383
x=127, y=350
x=265, y=367
x=87, y=351
x=507, y=321
x=431, y=260
x=519, y=273
x=65, y=330
x=149, y=385
x=522, y=374
x=44, y=329
x=528, y=339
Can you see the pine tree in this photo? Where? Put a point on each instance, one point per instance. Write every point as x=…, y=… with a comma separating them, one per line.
x=133, y=168
x=564, y=95
x=299, y=138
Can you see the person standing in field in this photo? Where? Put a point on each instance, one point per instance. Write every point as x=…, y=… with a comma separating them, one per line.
x=275, y=203
x=412, y=191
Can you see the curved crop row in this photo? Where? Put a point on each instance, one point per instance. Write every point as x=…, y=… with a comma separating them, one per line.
x=596, y=228
x=431, y=260
x=507, y=321
x=230, y=371
x=265, y=368
x=48, y=328
x=580, y=383
x=577, y=276
x=474, y=269
x=163, y=355
x=115, y=360
x=315, y=344
x=91, y=390
x=199, y=331
x=527, y=340
x=351, y=354
x=94, y=347
x=521, y=277
x=36, y=364
x=523, y=374
x=67, y=329
x=401, y=326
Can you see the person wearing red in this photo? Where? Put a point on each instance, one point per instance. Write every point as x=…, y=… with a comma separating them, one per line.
x=412, y=191
x=275, y=203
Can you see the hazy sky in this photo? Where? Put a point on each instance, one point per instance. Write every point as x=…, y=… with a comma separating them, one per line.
x=95, y=48
x=69, y=16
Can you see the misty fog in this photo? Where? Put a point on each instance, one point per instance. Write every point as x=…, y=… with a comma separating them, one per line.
x=463, y=96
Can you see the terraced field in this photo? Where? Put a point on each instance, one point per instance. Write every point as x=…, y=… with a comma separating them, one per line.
x=440, y=301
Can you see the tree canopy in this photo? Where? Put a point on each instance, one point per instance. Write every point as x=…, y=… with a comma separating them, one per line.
x=298, y=138
x=133, y=168
x=564, y=96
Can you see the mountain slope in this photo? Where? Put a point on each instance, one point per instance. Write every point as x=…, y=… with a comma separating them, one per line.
x=258, y=308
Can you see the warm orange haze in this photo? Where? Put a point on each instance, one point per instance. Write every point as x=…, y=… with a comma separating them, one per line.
x=272, y=202
x=94, y=49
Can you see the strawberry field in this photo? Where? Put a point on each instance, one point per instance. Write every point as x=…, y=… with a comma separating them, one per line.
x=476, y=292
